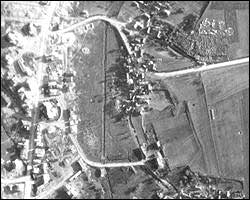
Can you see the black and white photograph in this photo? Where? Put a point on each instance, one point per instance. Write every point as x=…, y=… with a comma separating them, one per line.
x=124, y=99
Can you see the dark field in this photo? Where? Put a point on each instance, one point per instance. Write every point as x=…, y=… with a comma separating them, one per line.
x=118, y=140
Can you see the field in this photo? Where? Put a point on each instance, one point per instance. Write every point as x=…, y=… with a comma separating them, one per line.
x=5, y=144
x=225, y=129
x=100, y=136
x=227, y=92
x=189, y=7
x=221, y=90
x=96, y=8
x=245, y=126
x=88, y=84
x=166, y=62
x=222, y=83
x=176, y=134
x=118, y=140
x=127, y=12
x=189, y=88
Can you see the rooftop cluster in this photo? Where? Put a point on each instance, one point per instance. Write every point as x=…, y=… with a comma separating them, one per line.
x=193, y=185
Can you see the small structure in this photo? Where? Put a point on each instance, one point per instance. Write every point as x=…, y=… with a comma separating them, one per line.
x=14, y=38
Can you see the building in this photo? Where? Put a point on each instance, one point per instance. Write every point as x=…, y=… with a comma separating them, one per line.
x=40, y=152
x=25, y=150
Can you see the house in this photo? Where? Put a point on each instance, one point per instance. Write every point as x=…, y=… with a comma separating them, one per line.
x=40, y=152
x=25, y=150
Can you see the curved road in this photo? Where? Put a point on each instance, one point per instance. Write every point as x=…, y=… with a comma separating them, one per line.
x=115, y=23
x=119, y=25
x=101, y=165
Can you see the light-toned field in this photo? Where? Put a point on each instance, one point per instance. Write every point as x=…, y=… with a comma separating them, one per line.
x=227, y=93
x=222, y=83
x=189, y=88
x=89, y=74
x=226, y=129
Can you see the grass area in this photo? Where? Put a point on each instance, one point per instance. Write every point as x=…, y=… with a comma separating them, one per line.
x=126, y=185
x=224, y=93
x=88, y=84
x=200, y=117
x=90, y=79
x=118, y=140
x=188, y=7
x=225, y=128
x=92, y=7
x=176, y=136
x=245, y=121
x=5, y=144
x=222, y=83
x=167, y=62
x=189, y=88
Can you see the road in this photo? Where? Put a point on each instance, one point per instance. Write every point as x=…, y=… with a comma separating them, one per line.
x=101, y=165
x=15, y=180
x=119, y=26
x=43, y=35
x=39, y=73
x=201, y=69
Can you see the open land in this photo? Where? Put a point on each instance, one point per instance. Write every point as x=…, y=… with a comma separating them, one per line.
x=189, y=7
x=175, y=134
x=88, y=85
x=227, y=93
x=102, y=130
x=189, y=88
x=167, y=63
x=245, y=121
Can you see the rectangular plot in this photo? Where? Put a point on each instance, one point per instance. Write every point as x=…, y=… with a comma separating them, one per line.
x=199, y=114
x=226, y=129
x=245, y=128
x=119, y=143
x=89, y=72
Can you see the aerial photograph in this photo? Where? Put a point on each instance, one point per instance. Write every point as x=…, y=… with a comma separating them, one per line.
x=124, y=99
